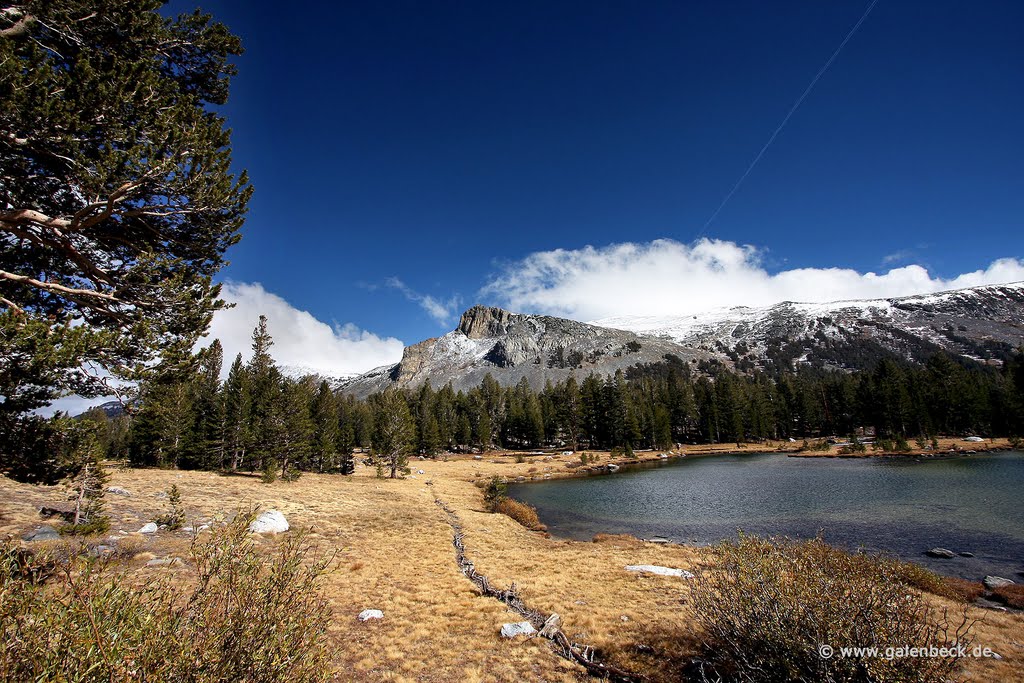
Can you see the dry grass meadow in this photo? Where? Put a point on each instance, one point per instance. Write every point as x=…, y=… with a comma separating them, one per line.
x=394, y=553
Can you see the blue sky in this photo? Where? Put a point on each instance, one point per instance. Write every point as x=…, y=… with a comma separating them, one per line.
x=413, y=158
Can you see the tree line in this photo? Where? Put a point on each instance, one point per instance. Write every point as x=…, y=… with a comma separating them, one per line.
x=260, y=420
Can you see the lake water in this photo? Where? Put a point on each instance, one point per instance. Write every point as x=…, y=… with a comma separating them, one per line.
x=898, y=506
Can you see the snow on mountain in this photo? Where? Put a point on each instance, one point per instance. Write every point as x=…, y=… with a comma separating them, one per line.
x=976, y=322
x=982, y=323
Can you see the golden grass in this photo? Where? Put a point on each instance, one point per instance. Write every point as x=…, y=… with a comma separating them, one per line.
x=395, y=554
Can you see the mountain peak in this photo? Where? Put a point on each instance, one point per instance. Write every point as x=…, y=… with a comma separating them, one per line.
x=481, y=322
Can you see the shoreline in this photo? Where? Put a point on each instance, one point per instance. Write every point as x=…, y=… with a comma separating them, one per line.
x=949, y=447
x=648, y=459
x=394, y=553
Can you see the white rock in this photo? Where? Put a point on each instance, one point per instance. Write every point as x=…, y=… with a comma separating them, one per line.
x=660, y=571
x=993, y=582
x=148, y=528
x=551, y=626
x=520, y=628
x=368, y=614
x=420, y=472
x=164, y=562
x=269, y=522
x=118, y=491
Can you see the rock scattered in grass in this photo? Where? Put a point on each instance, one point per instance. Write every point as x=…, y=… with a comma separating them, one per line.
x=149, y=528
x=551, y=626
x=660, y=571
x=164, y=562
x=519, y=628
x=43, y=533
x=269, y=522
x=118, y=491
x=368, y=614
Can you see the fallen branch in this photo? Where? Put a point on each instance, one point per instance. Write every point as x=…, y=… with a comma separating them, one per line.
x=580, y=653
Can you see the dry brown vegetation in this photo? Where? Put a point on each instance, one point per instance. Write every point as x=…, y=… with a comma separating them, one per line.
x=394, y=553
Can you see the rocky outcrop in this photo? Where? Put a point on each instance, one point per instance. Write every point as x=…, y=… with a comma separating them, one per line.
x=512, y=347
x=415, y=359
x=481, y=322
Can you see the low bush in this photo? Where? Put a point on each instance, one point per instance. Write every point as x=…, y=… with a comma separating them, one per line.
x=174, y=518
x=520, y=512
x=242, y=617
x=916, y=576
x=1011, y=596
x=767, y=608
x=495, y=490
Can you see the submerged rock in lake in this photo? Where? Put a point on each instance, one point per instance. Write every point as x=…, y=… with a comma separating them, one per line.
x=943, y=553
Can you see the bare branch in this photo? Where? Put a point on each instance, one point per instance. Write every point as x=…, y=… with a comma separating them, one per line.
x=59, y=289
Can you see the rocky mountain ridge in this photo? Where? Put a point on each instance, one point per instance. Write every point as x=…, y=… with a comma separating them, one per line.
x=983, y=323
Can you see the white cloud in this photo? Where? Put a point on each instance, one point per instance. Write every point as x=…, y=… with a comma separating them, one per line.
x=300, y=340
x=443, y=312
x=665, y=277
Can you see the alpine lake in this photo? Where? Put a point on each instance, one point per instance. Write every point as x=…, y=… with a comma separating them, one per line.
x=900, y=506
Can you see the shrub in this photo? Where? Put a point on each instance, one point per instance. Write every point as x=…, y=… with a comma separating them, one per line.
x=520, y=512
x=520, y=458
x=1011, y=596
x=175, y=517
x=85, y=490
x=243, y=617
x=495, y=491
x=766, y=607
x=815, y=446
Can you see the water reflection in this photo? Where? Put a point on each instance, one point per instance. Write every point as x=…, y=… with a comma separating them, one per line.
x=971, y=504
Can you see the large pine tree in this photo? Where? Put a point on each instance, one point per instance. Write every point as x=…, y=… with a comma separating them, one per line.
x=117, y=202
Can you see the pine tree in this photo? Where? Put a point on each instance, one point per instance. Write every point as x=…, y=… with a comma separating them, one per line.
x=570, y=408
x=117, y=200
x=394, y=432
x=265, y=423
x=325, y=429
x=86, y=487
x=236, y=403
x=347, y=409
x=429, y=433
x=204, y=443
x=295, y=444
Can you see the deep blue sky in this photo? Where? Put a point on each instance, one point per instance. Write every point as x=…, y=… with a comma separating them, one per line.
x=428, y=140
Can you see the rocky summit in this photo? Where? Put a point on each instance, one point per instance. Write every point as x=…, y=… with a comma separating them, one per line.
x=514, y=346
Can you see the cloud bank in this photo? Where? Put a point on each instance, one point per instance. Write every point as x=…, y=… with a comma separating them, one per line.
x=300, y=340
x=665, y=277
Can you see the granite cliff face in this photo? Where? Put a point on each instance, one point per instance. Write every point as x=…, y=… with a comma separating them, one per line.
x=981, y=323
x=513, y=346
